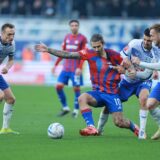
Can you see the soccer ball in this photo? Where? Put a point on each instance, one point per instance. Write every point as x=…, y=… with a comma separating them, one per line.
x=55, y=130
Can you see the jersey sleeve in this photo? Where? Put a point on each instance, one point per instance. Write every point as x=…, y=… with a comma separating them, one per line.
x=84, y=54
x=84, y=43
x=127, y=50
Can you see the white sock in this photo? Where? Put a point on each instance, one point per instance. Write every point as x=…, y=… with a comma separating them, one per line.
x=143, y=119
x=102, y=121
x=7, y=114
x=155, y=113
x=66, y=108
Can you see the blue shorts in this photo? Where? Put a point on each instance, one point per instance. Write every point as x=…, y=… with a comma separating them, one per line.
x=155, y=93
x=3, y=83
x=65, y=76
x=128, y=89
x=111, y=101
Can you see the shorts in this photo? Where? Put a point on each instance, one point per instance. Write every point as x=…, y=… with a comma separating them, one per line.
x=155, y=93
x=64, y=77
x=3, y=83
x=111, y=101
x=128, y=89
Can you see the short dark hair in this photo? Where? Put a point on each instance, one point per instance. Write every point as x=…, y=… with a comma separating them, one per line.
x=7, y=25
x=97, y=37
x=73, y=20
x=156, y=27
x=147, y=32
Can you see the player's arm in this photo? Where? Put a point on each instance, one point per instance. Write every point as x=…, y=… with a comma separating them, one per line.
x=152, y=66
x=146, y=74
x=59, y=53
x=8, y=65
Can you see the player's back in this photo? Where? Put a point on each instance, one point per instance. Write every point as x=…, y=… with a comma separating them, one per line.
x=73, y=43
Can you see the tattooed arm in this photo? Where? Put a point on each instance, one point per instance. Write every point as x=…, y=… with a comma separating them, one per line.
x=64, y=54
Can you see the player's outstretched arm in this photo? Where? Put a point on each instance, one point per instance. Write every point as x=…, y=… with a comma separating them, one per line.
x=64, y=54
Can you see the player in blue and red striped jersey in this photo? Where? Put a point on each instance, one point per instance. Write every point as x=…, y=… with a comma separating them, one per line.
x=71, y=68
x=105, y=68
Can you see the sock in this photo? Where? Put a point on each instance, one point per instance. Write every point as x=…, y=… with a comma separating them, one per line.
x=87, y=116
x=77, y=94
x=143, y=119
x=102, y=121
x=7, y=114
x=61, y=96
x=132, y=126
x=155, y=113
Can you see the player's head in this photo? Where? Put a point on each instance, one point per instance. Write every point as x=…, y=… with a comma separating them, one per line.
x=97, y=43
x=7, y=32
x=147, y=42
x=74, y=26
x=155, y=34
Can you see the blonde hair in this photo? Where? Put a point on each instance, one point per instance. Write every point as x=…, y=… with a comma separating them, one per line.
x=156, y=27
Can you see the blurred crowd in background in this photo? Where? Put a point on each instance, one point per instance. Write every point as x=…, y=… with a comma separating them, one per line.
x=81, y=8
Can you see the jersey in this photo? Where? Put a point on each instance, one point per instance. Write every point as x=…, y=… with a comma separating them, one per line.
x=136, y=48
x=103, y=77
x=6, y=50
x=73, y=43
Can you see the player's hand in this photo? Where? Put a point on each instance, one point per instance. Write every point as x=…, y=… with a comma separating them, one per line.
x=131, y=73
x=135, y=60
x=53, y=70
x=4, y=70
x=41, y=47
x=78, y=72
x=155, y=75
x=126, y=63
x=120, y=69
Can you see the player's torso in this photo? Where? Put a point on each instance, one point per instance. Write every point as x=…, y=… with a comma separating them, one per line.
x=103, y=77
x=144, y=55
x=5, y=50
x=72, y=44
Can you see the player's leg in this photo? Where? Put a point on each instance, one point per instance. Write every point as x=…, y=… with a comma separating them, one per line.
x=1, y=95
x=62, y=80
x=76, y=104
x=8, y=111
x=103, y=118
x=152, y=104
x=143, y=112
x=121, y=122
x=124, y=94
x=76, y=82
x=114, y=105
x=90, y=98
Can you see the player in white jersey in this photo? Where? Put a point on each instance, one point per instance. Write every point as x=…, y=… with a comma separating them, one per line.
x=136, y=81
x=7, y=49
x=154, y=97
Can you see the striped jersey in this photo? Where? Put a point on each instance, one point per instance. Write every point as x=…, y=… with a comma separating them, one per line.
x=6, y=50
x=103, y=77
x=136, y=48
x=73, y=43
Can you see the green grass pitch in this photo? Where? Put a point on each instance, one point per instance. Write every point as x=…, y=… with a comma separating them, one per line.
x=36, y=107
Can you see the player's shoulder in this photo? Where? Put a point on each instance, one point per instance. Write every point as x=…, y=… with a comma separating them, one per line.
x=135, y=42
x=111, y=51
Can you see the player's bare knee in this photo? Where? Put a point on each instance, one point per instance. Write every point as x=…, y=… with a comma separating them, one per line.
x=11, y=100
x=143, y=101
x=59, y=86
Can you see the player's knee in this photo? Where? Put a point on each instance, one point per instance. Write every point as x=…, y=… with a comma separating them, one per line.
x=118, y=122
x=82, y=99
x=143, y=101
x=59, y=87
x=11, y=100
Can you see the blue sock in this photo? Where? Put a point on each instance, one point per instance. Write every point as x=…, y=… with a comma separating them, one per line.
x=87, y=115
x=77, y=94
x=61, y=96
x=132, y=126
